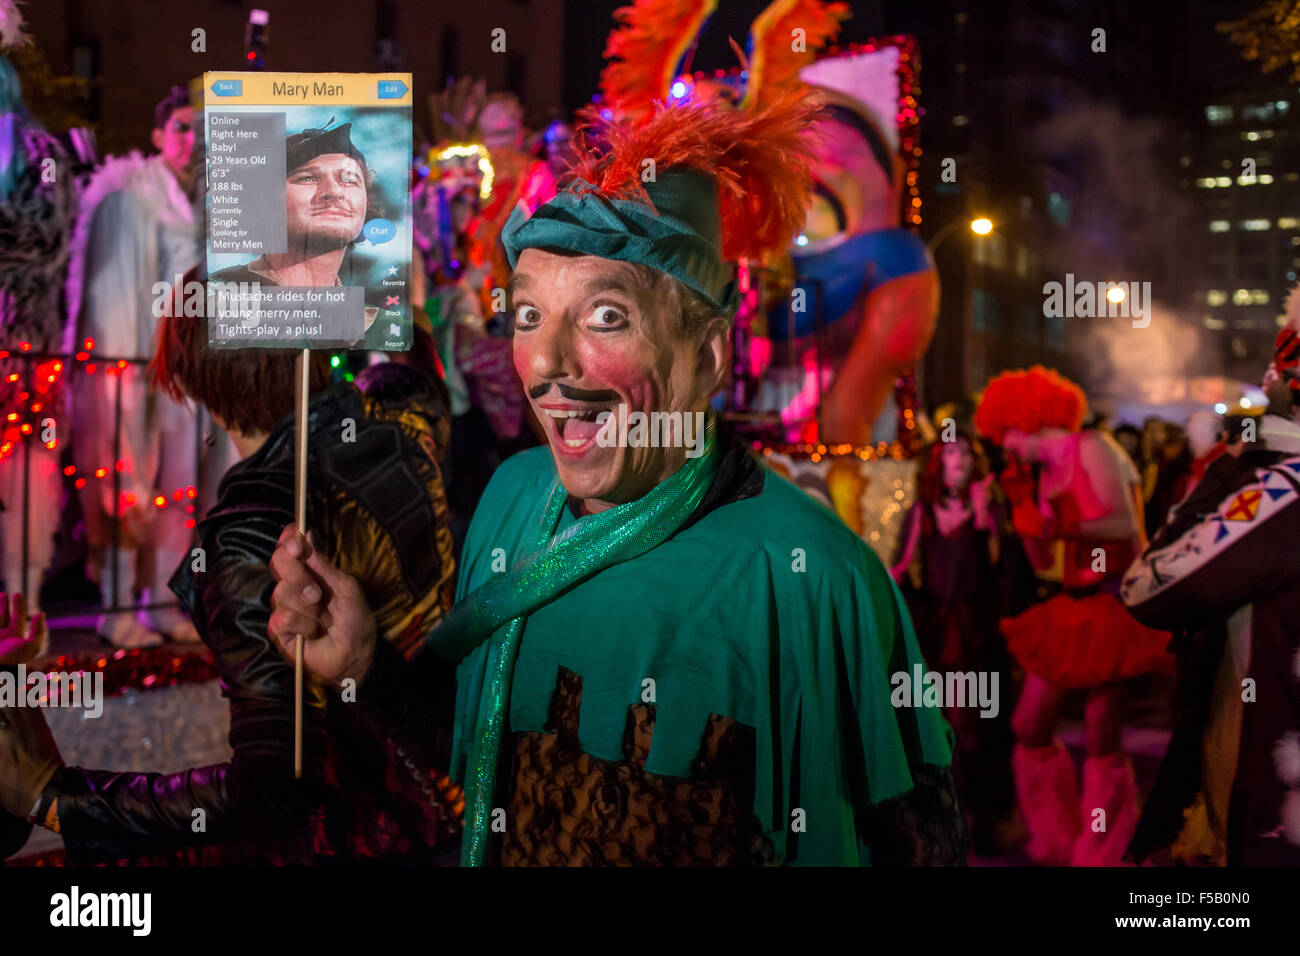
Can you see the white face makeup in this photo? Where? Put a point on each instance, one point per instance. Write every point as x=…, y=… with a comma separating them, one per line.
x=589, y=336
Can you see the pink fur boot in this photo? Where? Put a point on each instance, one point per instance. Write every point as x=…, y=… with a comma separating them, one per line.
x=1049, y=801
x=1108, y=785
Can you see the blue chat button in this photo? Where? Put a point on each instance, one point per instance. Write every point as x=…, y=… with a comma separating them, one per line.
x=379, y=231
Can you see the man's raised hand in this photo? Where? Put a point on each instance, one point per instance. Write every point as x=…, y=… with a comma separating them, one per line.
x=315, y=599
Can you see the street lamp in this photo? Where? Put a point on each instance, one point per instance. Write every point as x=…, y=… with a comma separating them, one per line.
x=981, y=227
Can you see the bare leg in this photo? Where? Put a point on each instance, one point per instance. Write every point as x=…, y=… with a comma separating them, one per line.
x=1109, y=792
x=1037, y=711
x=1103, y=720
x=1044, y=773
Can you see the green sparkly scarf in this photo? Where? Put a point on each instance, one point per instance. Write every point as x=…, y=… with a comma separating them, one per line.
x=558, y=562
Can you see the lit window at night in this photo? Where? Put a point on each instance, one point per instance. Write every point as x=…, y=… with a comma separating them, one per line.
x=1220, y=225
x=1254, y=225
x=1216, y=297
x=1218, y=115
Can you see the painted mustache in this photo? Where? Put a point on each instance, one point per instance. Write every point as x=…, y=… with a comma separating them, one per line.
x=573, y=394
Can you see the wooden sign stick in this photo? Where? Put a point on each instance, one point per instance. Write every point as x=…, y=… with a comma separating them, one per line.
x=300, y=499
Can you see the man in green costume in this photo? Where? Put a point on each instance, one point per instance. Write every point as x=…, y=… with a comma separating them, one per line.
x=667, y=655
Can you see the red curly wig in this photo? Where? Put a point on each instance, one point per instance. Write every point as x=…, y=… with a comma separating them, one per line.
x=1029, y=401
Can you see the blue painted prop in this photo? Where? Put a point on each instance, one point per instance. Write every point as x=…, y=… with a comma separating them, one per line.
x=857, y=266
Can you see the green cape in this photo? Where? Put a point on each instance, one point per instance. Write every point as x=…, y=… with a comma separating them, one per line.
x=723, y=620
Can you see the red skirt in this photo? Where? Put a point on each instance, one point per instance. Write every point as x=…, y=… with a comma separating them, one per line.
x=1082, y=642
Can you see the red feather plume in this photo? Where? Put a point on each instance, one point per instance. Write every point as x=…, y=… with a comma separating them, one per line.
x=645, y=50
x=759, y=159
x=773, y=63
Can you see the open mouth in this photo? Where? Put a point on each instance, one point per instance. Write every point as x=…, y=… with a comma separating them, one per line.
x=575, y=428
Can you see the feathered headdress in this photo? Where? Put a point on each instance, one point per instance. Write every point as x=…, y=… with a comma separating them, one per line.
x=777, y=52
x=689, y=192
x=654, y=39
x=760, y=161
x=1028, y=401
x=690, y=188
x=645, y=52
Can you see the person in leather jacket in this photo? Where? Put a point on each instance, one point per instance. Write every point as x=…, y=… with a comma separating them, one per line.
x=376, y=502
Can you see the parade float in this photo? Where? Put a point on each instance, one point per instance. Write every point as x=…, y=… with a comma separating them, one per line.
x=826, y=340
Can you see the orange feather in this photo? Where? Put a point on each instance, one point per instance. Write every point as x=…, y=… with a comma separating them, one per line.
x=760, y=161
x=645, y=51
x=774, y=64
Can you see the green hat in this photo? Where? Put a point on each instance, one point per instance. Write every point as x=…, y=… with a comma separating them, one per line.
x=679, y=234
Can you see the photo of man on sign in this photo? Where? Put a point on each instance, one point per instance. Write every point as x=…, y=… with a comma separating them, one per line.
x=327, y=203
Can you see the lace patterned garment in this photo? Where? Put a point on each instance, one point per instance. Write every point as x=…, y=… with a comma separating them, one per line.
x=568, y=808
x=923, y=827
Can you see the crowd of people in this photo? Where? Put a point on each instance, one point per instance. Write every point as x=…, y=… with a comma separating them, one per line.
x=1072, y=557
